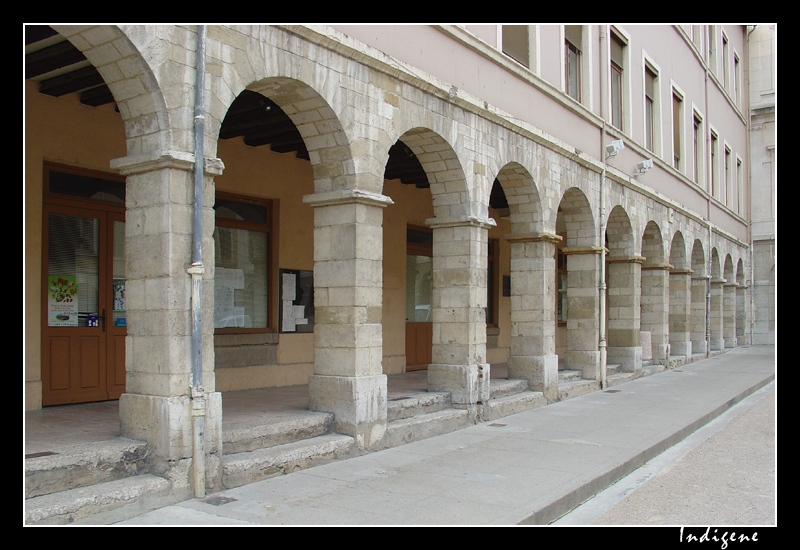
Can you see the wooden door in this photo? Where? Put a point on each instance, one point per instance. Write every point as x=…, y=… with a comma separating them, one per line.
x=83, y=326
x=419, y=291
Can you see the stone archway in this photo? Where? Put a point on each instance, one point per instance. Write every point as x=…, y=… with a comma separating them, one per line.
x=680, y=299
x=655, y=295
x=532, y=355
x=624, y=293
x=583, y=272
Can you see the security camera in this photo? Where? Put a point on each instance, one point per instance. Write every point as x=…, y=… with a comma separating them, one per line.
x=644, y=166
x=613, y=147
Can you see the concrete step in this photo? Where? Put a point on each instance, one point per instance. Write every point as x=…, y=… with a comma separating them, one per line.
x=424, y=425
x=512, y=404
x=277, y=430
x=83, y=466
x=501, y=387
x=247, y=467
x=101, y=503
x=416, y=403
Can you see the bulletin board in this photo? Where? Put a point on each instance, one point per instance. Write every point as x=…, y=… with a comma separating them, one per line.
x=297, y=301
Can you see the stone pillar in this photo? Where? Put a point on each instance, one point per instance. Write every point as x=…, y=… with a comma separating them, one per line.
x=680, y=304
x=460, y=248
x=698, y=315
x=158, y=404
x=717, y=339
x=729, y=314
x=583, y=310
x=624, y=309
x=532, y=356
x=742, y=334
x=348, y=378
x=655, y=309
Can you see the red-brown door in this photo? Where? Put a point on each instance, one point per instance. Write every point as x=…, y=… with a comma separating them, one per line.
x=83, y=308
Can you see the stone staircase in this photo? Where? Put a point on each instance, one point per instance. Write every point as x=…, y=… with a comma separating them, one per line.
x=97, y=482
x=100, y=483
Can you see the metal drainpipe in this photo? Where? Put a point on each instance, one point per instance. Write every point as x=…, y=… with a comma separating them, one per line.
x=601, y=238
x=196, y=271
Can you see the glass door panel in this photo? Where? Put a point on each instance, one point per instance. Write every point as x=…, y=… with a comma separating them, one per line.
x=72, y=271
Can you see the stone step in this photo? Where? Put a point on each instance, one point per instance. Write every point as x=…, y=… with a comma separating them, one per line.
x=513, y=404
x=425, y=425
x=416, y=403
x=83, y=466
x=501, y=387
x=101, y=503
x=278, y=430
x=247, y=467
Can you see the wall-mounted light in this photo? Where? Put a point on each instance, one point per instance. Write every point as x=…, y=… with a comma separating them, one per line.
x=613, y=148
x=644, y=166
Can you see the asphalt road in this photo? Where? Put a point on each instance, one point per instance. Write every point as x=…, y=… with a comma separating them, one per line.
x=723, y=474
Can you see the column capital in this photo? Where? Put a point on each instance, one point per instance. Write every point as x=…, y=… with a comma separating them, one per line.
x=460, y=221
x=582, y=250
x=541, y=236
x=632, y=259
x=347, y=196
x=157, y=160
x=665, y=267
x=685, y=271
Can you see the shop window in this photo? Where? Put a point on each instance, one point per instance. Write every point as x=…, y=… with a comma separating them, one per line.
x=242, y=239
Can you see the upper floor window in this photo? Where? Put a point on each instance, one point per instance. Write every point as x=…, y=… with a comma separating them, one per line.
x=572, y=60
x=617, y=79
x=516, y=43
x=650, y=108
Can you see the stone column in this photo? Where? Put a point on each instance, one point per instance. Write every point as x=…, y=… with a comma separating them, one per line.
x=348, y=378
x=458, y=309
x=655, y=309
x=717, y=339
x=729, y=314
x=680, y=304
x=158, y=404
x=533, y=341
x=583, y=310
x=742, y=334
x=698, y=315
x=624, y=309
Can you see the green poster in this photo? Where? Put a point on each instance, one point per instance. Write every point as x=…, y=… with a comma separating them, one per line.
x=62, y=301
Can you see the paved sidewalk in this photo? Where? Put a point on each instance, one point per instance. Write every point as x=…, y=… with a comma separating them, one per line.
x=528, y=468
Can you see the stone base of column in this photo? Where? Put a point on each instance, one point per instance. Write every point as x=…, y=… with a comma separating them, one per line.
x=628, y=357
x=165, y=424
x=357, y=402
x=681, y=348
x=467, y=384
x=541, y=372
x=588, y=362
x=730, y=342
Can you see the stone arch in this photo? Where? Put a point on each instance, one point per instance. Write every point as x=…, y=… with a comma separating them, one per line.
x=619, y=233
x=653, y=245
x=699, y=311
x=443, y=169
x=522, y=197
x=120, y=57
x=577, y=219
x=677, y=252
x=680, y=299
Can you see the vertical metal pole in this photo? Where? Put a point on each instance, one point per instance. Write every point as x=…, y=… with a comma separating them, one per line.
x=196, y=271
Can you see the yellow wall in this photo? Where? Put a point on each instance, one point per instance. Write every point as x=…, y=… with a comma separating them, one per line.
x=63, y=131
x=57, y=130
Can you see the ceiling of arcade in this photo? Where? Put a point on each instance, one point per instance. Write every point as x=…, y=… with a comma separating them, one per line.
x=60, y=69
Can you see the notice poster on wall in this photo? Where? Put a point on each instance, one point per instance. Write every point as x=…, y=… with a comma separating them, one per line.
x=297, y=301
x=62, y=301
